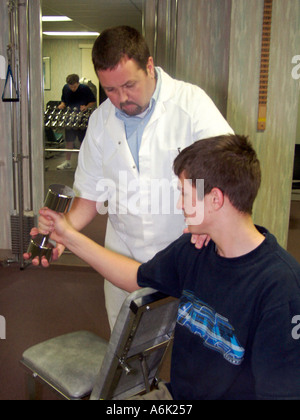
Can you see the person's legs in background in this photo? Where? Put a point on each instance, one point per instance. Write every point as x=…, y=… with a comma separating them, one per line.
x=70, y=136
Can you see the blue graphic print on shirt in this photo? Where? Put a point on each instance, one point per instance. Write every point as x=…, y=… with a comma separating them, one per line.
x=213, y=328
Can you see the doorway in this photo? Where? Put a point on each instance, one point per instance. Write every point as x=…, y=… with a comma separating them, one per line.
x=68, y=55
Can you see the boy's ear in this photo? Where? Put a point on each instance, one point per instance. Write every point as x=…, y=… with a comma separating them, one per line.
x=217, y=198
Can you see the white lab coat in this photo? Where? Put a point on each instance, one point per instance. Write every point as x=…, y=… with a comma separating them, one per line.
x=182, y=115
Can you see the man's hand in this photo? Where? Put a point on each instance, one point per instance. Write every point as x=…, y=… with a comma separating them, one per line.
x=198, y=240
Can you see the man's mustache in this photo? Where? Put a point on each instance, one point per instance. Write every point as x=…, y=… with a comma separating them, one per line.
x=124, y=104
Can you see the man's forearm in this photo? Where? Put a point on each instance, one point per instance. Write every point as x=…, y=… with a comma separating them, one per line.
x=119, y=270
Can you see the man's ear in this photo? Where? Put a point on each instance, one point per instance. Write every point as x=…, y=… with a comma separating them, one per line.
x=217, y=198
x=151, y=67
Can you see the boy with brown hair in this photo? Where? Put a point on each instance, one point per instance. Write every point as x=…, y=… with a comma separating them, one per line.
x=238, y=295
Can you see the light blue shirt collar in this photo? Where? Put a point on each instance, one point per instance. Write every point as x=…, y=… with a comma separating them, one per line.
x=135, y=125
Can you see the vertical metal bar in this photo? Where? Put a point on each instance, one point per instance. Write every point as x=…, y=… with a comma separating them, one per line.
x=173, y=45
x=12, y=123
x=29, y=106
x=155, y=30
x=168, y=35
x=33, y=388
x=143, y=18
x=11, y=62
x=20, y=157
x=145, y=371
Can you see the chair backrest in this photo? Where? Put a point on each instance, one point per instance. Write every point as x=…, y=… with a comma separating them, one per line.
x=143, y=330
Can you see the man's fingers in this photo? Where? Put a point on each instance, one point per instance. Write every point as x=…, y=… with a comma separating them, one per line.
x=200, y=241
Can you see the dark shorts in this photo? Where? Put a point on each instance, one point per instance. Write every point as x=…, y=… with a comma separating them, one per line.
x=71, y=135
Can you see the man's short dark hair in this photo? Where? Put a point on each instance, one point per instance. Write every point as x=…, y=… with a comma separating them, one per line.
x=117, y=43
x=226, y=162
x=72, y=79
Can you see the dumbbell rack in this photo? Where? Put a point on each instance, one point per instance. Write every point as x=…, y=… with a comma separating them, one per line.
x=64, y=119
x=67, y=118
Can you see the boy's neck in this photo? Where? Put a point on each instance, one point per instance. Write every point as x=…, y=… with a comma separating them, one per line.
x=239, y=239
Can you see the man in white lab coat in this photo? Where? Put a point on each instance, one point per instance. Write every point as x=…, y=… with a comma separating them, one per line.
x=127, y=155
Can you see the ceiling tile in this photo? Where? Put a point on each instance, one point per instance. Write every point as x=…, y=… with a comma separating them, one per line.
x=93, y=15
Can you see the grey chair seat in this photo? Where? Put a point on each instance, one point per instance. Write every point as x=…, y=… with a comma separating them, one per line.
x=81, y=364
x=69, y=362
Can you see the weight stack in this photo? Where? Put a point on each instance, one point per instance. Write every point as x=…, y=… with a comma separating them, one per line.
x=28, y=224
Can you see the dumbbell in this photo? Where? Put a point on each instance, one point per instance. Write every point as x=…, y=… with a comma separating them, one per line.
x=59, y=198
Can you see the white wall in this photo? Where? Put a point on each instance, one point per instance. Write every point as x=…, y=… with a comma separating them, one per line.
x=66, y=58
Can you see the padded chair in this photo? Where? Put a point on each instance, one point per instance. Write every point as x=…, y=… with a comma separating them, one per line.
x=81, y=364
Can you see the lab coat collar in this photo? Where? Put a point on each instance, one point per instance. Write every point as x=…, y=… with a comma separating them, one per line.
x=166, y=92
x=167, y=86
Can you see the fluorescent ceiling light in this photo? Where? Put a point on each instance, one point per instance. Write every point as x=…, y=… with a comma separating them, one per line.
x=56, y=19
x=72, y=33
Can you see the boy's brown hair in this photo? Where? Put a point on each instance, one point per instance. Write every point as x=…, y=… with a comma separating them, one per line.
x=227, y=162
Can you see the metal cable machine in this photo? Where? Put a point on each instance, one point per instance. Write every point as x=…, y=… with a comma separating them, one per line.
x=17, y=95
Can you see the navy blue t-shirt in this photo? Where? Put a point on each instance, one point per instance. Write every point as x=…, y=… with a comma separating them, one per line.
x=235, y=337
x=82, y=96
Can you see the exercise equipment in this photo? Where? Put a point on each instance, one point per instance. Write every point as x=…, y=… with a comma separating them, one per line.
x=66, y=118
x=59, y=198
x=80, y=365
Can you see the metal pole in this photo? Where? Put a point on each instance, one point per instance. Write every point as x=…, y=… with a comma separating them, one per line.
x=143, y=18
x=19, y=157
x=11, y=61
x=29, y=105
x=62, y=150
x=173, y=44
x=168, y=36
x=156, y=29
x=15, y=124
